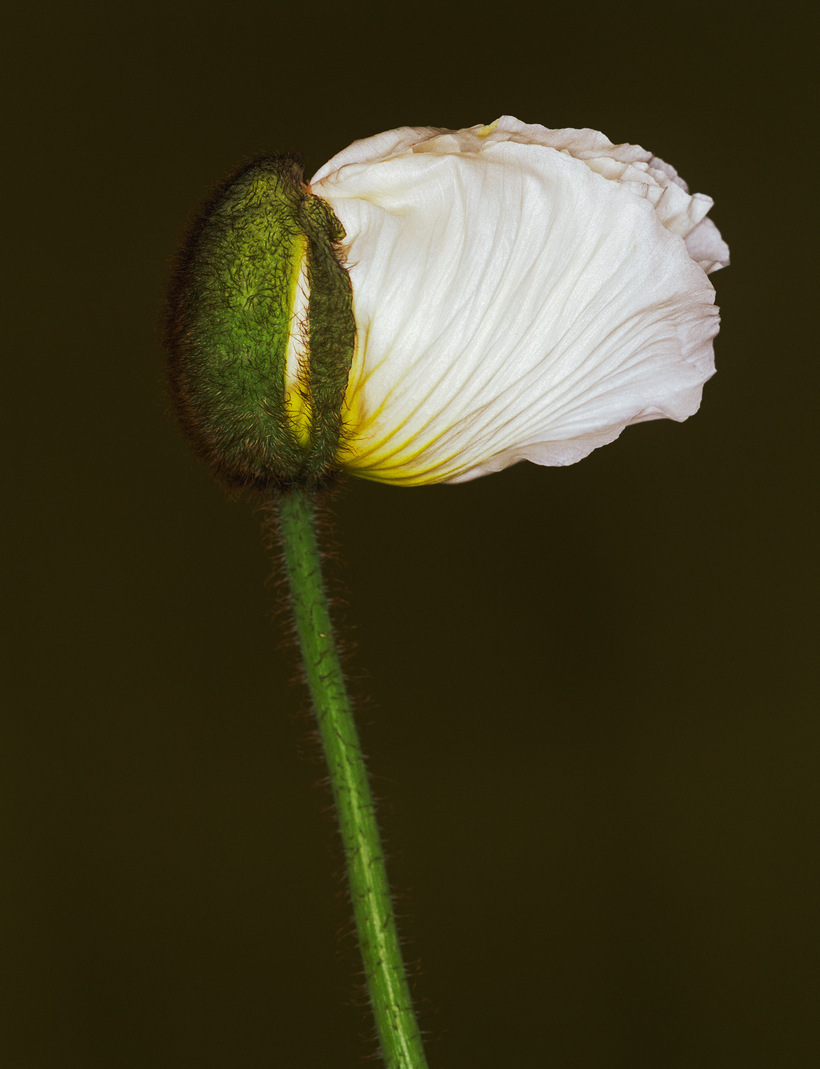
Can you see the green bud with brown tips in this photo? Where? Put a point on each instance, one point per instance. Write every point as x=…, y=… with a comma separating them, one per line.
x=260, y=330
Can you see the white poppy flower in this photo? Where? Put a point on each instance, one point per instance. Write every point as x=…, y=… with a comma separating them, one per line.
x=519, y=293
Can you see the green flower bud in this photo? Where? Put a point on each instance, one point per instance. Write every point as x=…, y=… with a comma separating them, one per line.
x=260, y=331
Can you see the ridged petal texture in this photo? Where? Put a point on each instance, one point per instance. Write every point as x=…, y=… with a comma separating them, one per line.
x=519, y=293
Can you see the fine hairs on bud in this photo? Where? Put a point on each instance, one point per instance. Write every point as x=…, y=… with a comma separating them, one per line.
x=260, y=330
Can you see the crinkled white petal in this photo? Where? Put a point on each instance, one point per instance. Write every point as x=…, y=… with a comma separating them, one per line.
x=520, y=293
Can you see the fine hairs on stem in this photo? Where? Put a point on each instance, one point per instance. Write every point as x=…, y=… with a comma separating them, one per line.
x=385, y=973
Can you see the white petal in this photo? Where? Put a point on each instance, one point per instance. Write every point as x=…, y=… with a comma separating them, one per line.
x=379, y=147
x=647, y=176
x=514, y=300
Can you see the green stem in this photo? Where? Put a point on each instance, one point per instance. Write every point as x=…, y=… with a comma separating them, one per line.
x=367, y=876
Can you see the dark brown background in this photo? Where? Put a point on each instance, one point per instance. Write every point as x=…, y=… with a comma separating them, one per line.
x=587, y=692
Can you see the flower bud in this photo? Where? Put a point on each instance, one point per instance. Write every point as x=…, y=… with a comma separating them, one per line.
x=260, y=331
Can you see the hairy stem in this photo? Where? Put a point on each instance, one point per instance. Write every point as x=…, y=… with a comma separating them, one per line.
x=367, y=876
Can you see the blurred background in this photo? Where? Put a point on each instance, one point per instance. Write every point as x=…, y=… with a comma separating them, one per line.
x=586, y=693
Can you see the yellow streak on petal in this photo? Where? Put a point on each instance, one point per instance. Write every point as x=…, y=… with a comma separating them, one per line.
x=377, y=461
x=365, y=451
x=485, y=131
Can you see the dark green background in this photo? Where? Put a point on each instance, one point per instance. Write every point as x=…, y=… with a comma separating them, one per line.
x=586, y=693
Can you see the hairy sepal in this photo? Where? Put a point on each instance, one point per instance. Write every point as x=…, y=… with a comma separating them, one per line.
x=231, y=319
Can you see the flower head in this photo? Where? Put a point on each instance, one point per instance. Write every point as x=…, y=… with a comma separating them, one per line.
x=439, y=304
x=519, y=293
